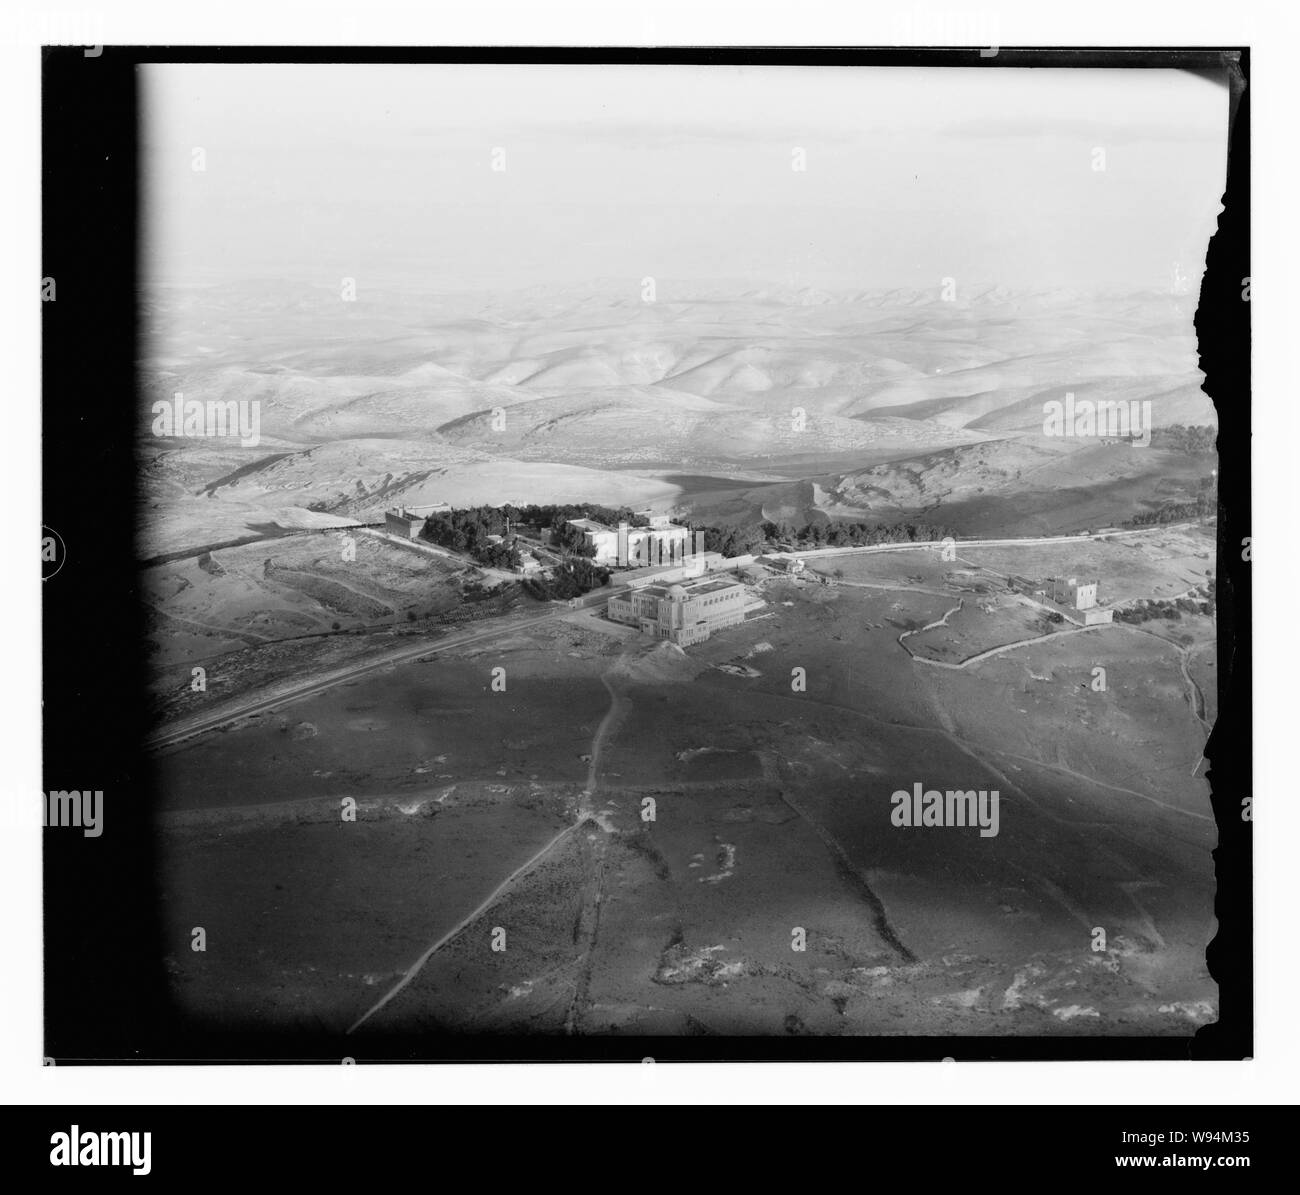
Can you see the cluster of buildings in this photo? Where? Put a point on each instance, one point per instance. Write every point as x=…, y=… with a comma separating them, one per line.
x=1068, y=596
x=670, y=588
x=675, y=589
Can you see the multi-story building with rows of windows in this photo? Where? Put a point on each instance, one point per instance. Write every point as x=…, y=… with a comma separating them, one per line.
x=684, y=614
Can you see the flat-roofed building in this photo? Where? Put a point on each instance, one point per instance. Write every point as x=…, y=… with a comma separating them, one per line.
x=683, y=613
x=1067, y=596
x=662, y=543
x=404, y=523
x=665, y=574
x=1070, y=591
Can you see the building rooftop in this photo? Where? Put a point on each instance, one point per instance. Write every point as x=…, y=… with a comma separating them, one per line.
x=693, y=588
x=589, y=525
x=712, y=585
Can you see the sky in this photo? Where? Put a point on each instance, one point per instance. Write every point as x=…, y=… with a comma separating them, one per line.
x=987, y=176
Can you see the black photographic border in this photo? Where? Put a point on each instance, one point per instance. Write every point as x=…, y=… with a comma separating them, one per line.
x=107, y=1000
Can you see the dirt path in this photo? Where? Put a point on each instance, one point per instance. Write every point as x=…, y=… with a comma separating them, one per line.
x=1130, y=792
x=929, y=626
x=1037, y=540
x=1044, y=884
x=946, y=593
x=613, y=715
x=997, y=651
x=496, y=894
x=1197, y=698
x=970, y=748
x=587, y=927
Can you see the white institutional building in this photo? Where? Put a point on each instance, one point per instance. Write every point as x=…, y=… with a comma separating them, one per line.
x=684, y=614
x=663, y=542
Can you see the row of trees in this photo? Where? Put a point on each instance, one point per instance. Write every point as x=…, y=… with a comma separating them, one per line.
x=836, y=535
x=1170, y=610
x=760, y=537
x=555, y=514
x=1204, y=505
x=732, y=541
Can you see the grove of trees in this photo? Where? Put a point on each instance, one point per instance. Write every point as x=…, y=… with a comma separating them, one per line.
x=573, y=578
x=468, y=530
x=1204, y=505
x=1198, y=437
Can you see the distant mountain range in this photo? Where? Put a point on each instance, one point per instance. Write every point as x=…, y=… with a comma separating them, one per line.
x=411, y=393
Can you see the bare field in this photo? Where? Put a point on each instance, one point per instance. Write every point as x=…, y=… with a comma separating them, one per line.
x=285, y=588
x=978, y=626
x=909, y=569
x=771, y=829
x=309, y=919
x=1203, y=668
x=421, y=724
x=1162, y=564
x=1038, y=703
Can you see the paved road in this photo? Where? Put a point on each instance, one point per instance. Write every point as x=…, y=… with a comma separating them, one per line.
x=1036, y=540
x=232, y=712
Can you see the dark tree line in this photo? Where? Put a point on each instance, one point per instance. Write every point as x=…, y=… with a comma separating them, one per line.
x=760, y=537
x=571, y=579
x=1204, y=505
x=731, y=541
x=1169, y=610
x=1199, y=437
x=1199, y=601
x=468, y=531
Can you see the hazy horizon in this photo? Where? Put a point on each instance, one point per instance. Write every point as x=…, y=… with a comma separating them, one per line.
x=384, y=174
